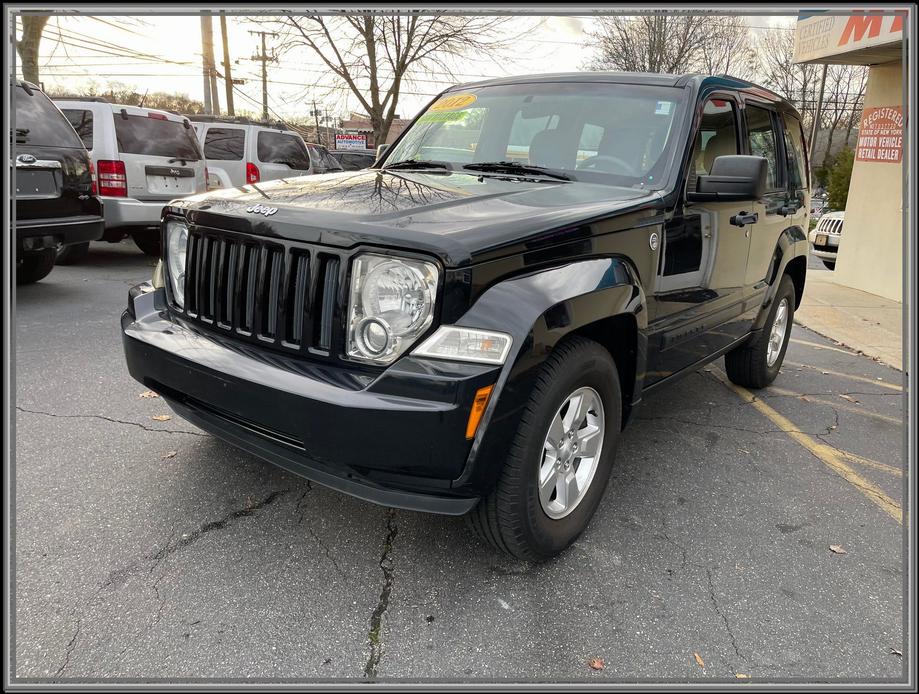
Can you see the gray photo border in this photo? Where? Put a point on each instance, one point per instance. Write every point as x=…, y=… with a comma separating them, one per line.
x=909, y=249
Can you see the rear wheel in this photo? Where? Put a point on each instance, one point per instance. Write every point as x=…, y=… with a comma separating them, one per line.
x=756, y=364
x=73, y=254
x=33, y=267
x=830, y=264
x=561, y=457
x=148, y=242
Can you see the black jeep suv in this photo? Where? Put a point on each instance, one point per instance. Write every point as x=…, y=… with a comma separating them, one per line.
x=466, y=327
x=54, y=194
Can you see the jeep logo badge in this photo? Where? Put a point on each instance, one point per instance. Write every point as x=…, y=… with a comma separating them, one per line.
x=262, y=209
x=174, y=172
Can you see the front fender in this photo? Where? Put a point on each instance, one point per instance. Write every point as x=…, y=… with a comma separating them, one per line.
x=792, y=244
x=538, y=310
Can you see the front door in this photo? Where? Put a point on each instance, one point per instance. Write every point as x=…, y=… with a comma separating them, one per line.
x=698, y=303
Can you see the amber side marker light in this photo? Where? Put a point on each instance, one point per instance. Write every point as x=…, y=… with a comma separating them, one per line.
x=478, y=409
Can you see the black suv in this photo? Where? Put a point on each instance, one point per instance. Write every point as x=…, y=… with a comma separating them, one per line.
x=466, y=327
x=55, y=201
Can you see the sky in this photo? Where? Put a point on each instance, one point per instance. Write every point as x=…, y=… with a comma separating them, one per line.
x=79, y=51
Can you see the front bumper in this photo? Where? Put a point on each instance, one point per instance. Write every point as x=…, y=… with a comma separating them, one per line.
x=827, y=251
x=128, y=212
x=396, y=438
x=37, y=234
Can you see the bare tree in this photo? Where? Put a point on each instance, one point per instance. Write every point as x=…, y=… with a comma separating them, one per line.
x=27, y=46
x=375, y=55
x=670, y=43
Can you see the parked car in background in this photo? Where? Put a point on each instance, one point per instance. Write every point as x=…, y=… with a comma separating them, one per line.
x=240, y=151
x=144, y=158
x=55, y=201
x=825, y=237
x=354, y=159
x=323, y=161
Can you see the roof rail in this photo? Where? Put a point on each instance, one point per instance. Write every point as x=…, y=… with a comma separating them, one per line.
x=97, y=99
x=243, y=120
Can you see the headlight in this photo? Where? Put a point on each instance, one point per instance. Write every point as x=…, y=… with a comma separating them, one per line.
x=176, y=250
x=391, y=305
x=466, y=344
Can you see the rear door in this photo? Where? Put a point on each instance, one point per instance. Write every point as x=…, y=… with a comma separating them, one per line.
x=51, y=165
x=225, y=149
x=161, y=156
x=281, y=154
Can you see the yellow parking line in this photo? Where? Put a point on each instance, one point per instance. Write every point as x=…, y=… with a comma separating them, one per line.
x=851, y=377
x=868, y=462
x=817, y=345
x=837, y=405
x=828, y=455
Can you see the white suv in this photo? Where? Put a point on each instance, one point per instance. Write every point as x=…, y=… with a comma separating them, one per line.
x=825, y=238
x=143, y=158
x=240, y=151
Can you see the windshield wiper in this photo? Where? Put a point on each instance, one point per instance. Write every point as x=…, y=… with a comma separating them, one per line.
x=418, y=164
x=516, y=168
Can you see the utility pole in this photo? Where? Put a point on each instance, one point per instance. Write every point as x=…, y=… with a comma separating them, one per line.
x=211, y=98
x=264, y=59
x=227, y=76
x=205, y=70
x=316, y=115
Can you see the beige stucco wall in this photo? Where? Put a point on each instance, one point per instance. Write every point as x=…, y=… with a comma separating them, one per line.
x=871, y=249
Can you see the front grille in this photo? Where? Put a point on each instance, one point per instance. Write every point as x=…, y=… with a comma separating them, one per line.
x=274, y=292
x=830, y=226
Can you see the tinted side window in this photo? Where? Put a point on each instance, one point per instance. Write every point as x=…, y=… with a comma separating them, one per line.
x=794, y=150
x=763, y=142
x=225, y=144
x=38, y=121
x=717, y=134
x=281, y=148
x=82, y=122
x=155, y=137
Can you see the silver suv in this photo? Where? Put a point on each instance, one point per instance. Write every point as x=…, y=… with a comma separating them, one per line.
x=143, y=158
x=240, y=151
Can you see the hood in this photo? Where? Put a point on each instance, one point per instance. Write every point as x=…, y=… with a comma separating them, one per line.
x=460, y=217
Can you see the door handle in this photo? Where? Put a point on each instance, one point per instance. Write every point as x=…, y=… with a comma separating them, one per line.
x=744, y=218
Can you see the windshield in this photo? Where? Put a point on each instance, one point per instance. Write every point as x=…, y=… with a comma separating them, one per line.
x=600, y=132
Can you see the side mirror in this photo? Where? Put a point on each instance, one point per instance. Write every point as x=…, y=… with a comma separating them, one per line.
x=734, y=178
x=381, y=150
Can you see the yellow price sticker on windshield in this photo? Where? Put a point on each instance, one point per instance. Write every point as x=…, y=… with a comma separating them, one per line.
x=453, y=102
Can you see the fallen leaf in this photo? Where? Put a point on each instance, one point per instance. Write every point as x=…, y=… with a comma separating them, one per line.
x=844, y=396
x=742, y=676
x=170, y=454
x=596, y=663
x=837, y=549
x=161, y=418
x=894, y=651
x=149, y=394
x=699, y=661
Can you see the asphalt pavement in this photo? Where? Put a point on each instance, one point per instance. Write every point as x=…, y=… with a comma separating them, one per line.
x=741, y=536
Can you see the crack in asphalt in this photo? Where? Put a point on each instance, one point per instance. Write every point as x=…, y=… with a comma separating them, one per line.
x=375, y=635
x=326, y=550
x=157, y=557
x=746, y=430
x=110, y=419
x=727, y=626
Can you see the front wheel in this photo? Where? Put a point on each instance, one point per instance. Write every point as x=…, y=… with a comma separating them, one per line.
x=757, y=363
x=561, y=457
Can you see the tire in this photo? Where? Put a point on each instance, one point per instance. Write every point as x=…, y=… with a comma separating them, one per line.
x=148, y=242
x=829, y=264
x=748, y=365
x=33, y=267
x=73, y=254
x=513, y=517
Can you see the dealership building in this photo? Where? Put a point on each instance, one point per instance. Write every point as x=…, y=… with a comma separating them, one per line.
x=871, y=249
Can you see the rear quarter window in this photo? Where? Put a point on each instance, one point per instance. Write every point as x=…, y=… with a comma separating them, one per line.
x=282, y=148
x=82, y=122
x=225, y=144
x=155, y=137
x=39, y=122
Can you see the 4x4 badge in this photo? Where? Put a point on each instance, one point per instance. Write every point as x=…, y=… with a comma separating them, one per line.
x=262, y=209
